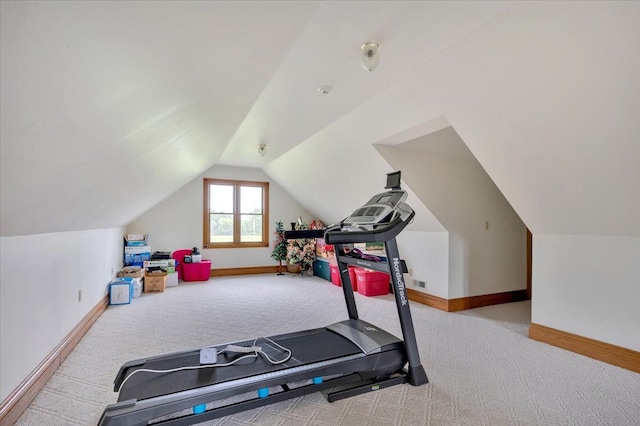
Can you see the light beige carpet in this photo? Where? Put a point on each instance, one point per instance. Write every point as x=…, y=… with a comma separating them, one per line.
x=483, y=370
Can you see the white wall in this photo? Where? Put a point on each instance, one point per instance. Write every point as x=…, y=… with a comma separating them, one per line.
x=335, y=172
x=427, y=256
x=589, y=286
x=448, y=179
x=40, y=276
x=176, y=222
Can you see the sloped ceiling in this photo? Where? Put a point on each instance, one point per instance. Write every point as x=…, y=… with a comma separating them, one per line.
x=108, y=108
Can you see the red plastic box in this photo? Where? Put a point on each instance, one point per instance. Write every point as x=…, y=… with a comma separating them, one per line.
x=372, y=283
x=335, y=275
x=352, y=277
x=196, y=271
x=179, y=255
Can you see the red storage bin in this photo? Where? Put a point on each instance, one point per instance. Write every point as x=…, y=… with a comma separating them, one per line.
x=335, y=275
x=179, y=255
x=196, y=271
x=353, y=277
x=372, y=283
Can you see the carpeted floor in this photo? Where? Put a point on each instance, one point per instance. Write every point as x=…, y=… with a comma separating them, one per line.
x=483, y=370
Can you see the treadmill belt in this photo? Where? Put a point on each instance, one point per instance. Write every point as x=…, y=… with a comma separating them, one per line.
x=306, y=347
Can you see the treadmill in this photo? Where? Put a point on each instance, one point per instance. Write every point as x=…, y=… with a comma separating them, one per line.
x=344, y=359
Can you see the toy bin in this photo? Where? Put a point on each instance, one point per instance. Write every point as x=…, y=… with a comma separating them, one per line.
x=321, y=269
x=120, y=291
x=196, y=271
x=372, y=283
x=335, y=275
x=353, y=278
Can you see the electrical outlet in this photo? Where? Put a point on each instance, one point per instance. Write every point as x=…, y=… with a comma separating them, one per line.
x=112, y=272
x=79, y=295
x=421, y=284
x=410, y=271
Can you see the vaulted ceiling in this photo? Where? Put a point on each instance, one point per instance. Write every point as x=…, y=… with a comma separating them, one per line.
x=109, y=107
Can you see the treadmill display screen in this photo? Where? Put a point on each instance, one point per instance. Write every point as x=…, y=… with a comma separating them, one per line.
x=393, y=180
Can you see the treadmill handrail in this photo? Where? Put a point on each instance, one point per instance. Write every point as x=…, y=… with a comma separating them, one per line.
x=304, y=233
x=338, y=234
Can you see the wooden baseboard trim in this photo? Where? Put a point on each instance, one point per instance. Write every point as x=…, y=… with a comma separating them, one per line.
x=18, y=400
x=463, y=303
x=224, y=272
x=428, y=299
x=472, y=302
x=605, y=352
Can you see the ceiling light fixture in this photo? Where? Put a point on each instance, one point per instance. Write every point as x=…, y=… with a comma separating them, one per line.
x=369, y=57
x=262, y=149
x=325, y=89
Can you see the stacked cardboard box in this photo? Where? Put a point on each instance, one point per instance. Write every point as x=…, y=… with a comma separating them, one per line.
x=169, y=265
x=155, y=282
x=136, y=250
x=136, y=274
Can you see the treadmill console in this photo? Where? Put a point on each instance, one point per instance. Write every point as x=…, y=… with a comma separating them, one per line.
x=377, y=209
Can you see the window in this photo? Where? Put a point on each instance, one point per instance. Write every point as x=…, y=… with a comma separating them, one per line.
x=236, y=214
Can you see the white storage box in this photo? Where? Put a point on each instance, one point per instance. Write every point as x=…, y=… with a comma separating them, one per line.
x=137, y=287
x=172, y=280
x=120, y=291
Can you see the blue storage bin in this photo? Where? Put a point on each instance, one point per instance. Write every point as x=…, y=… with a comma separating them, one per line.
x=322, y=269
x=121, y=291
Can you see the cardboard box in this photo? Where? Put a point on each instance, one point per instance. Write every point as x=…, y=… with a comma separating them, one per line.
x=155, y=282
x=168, y=264
x=131, y=272
x=136, y=240
x=373, y=248
x=135, y=256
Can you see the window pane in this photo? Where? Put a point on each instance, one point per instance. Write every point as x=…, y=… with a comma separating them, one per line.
x=221, y=228
x=220, y=199
x=250, y=228
x=250, y=200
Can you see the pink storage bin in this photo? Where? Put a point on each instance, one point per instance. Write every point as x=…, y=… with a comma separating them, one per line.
x=372, y=283
x=196, y=271
x=335, y=275
x=179, y=255
x=353, y=277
